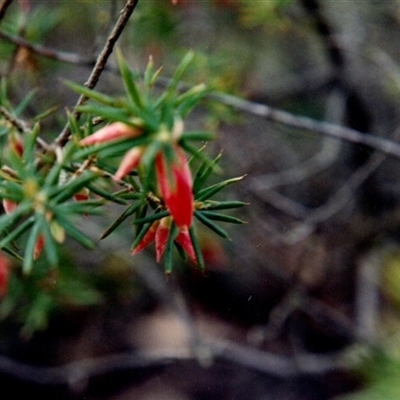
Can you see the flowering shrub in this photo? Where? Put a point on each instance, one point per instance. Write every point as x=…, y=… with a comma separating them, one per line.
x=44, y=187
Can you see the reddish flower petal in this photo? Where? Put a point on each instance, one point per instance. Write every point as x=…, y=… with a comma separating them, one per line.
x=114, y=131
x=9, y=206
x=82, y=195
x=184, y=240
x=38, y=247
x=148, y=238
x=129, y=162
x=178, y=196
x=162, y=234
x=16, y=144
x=4, y=275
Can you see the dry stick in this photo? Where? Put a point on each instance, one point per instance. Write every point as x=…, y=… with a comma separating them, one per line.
x=101, y=62
x=14, y=121
x=246, y=106
x=4, y=7
x=76, y=372
x=63, y=56
x=299, y=122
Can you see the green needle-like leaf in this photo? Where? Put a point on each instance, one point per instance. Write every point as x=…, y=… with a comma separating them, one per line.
x=210, y=224
x=204, y=172
x=220, y=205
x=74, y=232
x=50, y=246
x=141, y=234
x=196, y=248
x=222, y=217
x=93, y=94
x=199, y=155
x=151, y=218
x=129, y=211
x=198, y=135
x=30, y=248
x=110, y=113
x=129, y=82
x=107, y=195
x=17, y=232
x=206, y=193
x=169, y=249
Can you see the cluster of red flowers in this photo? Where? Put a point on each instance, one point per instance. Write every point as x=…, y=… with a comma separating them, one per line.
x=174, y=187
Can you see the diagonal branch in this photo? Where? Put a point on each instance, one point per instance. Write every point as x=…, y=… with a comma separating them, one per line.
x=383, y=145
x=3, y=8
x=101, y=61
x=63, y=56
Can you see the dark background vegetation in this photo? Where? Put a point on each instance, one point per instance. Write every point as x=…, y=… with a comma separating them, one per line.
x=302, y=303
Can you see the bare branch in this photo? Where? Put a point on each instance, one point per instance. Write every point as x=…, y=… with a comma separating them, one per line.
x=305, y=123
x=14, y=121
x=4, y=7
x=101, y=61
x=67, y=57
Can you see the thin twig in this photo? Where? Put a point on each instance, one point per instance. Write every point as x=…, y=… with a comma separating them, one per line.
x=14, y=121
x=4, y=7
x=20, y=126
x=245, y=356
x=63, y=56
x=305, y=123
x=101, y=62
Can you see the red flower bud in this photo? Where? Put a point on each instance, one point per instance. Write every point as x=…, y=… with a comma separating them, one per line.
x=176, y=188
x=9, y=205
x=129, y=162
x=109, y=133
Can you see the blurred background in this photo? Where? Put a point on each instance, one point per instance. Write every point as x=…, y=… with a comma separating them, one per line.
x=303, y=302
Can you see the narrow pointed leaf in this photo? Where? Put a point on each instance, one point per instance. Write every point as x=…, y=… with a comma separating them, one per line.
x=129, y=81
x=222, y=217
x=74, y=232
x=204, y=172
x=198, y=135
x=115, y=198
x=92, y=94
x=199, y=155
x=141, y=234
x=17, y=232
x=196, y=247
x=151, y=218
x=30, y=249
x=169, y=250
x=210, y=224
x=220, y=205
x=129, y=211
x=50, y=246
x=206, y=193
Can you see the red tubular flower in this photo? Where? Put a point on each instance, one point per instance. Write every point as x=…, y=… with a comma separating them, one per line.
x=9, y=205
x=162, y=234
x=4, y=275
x=130, y=161
x=176, y=192
x=159, y=233
x=148, y=238
x=183, y=239
x=114, y=131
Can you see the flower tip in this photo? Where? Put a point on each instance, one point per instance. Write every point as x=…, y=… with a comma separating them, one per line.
x=114, y=131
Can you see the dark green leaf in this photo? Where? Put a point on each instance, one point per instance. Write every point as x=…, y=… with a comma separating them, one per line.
x=129, y=211
x=210, y=224
x=151, y=218
x=222, y=217
x=196, y=248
